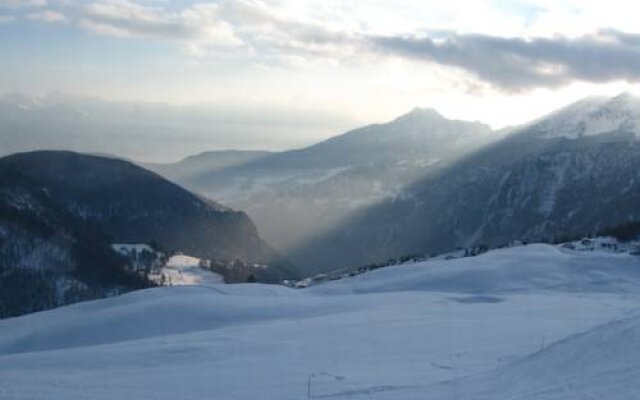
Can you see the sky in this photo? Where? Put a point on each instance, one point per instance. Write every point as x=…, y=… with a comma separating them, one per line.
x=501, y=62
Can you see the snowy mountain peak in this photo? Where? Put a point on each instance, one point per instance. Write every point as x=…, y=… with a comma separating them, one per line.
x=424, y=112
x=591, y=116
x=421, y=115
x=428, y=125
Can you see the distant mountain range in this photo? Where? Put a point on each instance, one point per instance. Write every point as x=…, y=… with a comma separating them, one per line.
x=208, y=162
x=153, y=131
x=572, y=173
x=422, y=184
x=60, y=212
x=417, y=185
x=296, y=195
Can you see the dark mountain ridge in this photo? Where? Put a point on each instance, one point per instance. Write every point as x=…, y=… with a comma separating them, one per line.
x=49, y=257
x=134, y=205
x=60, y=212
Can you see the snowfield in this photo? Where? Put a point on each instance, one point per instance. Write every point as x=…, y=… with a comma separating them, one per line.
x=527, y=322
x=179, y=269
x=186, y=270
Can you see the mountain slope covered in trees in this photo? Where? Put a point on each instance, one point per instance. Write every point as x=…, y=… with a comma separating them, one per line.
x=48, y=256
x=60, y=213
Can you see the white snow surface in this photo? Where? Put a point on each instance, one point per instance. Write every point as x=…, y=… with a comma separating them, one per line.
x=183, y=261
x=593, y=116
x=180, y=269
x=186, y=270
x=528, y=322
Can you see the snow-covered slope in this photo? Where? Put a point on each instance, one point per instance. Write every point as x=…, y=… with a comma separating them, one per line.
x=522, y=268
x=592, y=116
x=504, y=324
x=186, y=270
x=598, y=364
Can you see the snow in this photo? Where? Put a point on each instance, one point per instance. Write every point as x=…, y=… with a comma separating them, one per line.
x=180, y=269
x=593, y=116
x=528, y=322
x=186, y=270
x=598, y=364
x=183, y=261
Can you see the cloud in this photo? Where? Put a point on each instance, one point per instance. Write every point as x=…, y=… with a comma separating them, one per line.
x=23, y=3
x=196, y=27
x=274, y=32
x=203, y=28
x=516, y=64
x=48, y=16
x=6, y=18
x=271, y=31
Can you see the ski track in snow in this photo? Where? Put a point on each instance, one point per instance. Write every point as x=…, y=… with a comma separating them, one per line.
x=529, y=322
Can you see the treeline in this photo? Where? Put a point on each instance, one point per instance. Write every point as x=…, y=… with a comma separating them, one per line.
x=625, y=232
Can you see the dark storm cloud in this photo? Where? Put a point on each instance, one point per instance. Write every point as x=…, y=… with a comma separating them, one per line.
x=518, y=64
